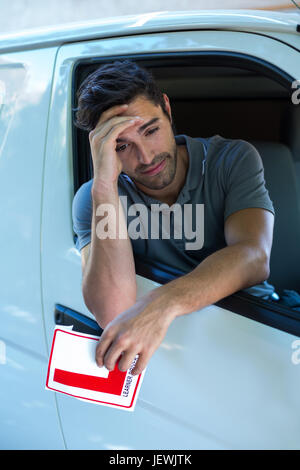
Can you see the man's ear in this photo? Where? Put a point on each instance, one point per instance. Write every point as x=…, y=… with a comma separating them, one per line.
x=167, y=105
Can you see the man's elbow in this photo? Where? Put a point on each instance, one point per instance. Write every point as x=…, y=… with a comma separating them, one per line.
x=107, y=307
x=262, y=266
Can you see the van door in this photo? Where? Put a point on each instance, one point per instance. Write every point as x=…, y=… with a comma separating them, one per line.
x=219, y=380
x=29, y=417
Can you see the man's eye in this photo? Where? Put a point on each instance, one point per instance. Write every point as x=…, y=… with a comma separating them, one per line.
x=121, y=148
x=151, y=131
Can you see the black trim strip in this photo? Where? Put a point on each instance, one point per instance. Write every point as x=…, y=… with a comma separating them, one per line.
x=267, y=312
x=65, y=316
x=263, y=311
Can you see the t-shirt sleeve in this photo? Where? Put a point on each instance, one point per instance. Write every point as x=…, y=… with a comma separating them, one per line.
x=82, y=215
x=244, y=180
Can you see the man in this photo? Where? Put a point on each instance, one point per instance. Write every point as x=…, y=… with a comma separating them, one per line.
x=135, y=155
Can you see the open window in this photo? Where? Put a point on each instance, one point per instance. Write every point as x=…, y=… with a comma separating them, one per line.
x=238, y=97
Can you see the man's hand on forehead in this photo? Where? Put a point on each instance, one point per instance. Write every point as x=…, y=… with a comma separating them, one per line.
x=111, y=118
x=107, y=165
x=111, y=112
x=114, y=112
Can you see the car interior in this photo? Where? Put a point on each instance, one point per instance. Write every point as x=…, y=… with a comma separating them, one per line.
x=240, y=98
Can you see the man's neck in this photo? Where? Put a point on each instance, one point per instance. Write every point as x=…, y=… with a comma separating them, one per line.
x=170, y=193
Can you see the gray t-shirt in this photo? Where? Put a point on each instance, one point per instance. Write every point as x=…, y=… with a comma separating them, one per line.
x=224, y=176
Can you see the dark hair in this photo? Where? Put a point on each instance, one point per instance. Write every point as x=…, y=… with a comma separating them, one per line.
x=114, y=84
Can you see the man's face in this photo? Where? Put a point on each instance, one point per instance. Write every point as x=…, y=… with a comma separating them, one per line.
x=148, y=151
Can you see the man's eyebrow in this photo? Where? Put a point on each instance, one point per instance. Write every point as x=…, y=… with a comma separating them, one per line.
x=142, y=128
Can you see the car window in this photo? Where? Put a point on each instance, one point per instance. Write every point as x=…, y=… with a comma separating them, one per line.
x=238, y=102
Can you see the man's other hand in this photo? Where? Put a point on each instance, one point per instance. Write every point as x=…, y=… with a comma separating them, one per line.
x=138, y=330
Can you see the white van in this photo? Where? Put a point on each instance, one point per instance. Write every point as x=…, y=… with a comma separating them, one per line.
x=227, y=377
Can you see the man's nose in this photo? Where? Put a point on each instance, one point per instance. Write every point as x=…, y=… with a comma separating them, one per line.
x=144, y=155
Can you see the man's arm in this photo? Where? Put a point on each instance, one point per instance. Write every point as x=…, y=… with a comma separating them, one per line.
x=241, y=264
x=109, y=283
x=244, y=262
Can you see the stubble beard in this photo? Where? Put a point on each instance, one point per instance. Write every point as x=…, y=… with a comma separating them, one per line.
x=165, y=177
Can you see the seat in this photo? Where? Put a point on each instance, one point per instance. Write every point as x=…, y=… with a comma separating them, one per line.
x=283, y=187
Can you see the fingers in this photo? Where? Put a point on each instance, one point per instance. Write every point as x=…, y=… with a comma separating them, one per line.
x=108, y=353
x=112, y=354
x=136, y=331
x=126, y=360
x=106, y=130
x=102, y=346
x=108, y=115
x=110, y=347
x=111, y=112
x=120, y=127
x=141, y=363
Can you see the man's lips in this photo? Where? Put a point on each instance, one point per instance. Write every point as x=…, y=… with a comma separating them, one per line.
x=156, y=169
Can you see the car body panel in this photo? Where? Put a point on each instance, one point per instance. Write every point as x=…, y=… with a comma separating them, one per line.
x=162, y=21
x=218, y=381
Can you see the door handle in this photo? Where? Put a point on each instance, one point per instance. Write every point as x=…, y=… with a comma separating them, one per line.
x=81, y=323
